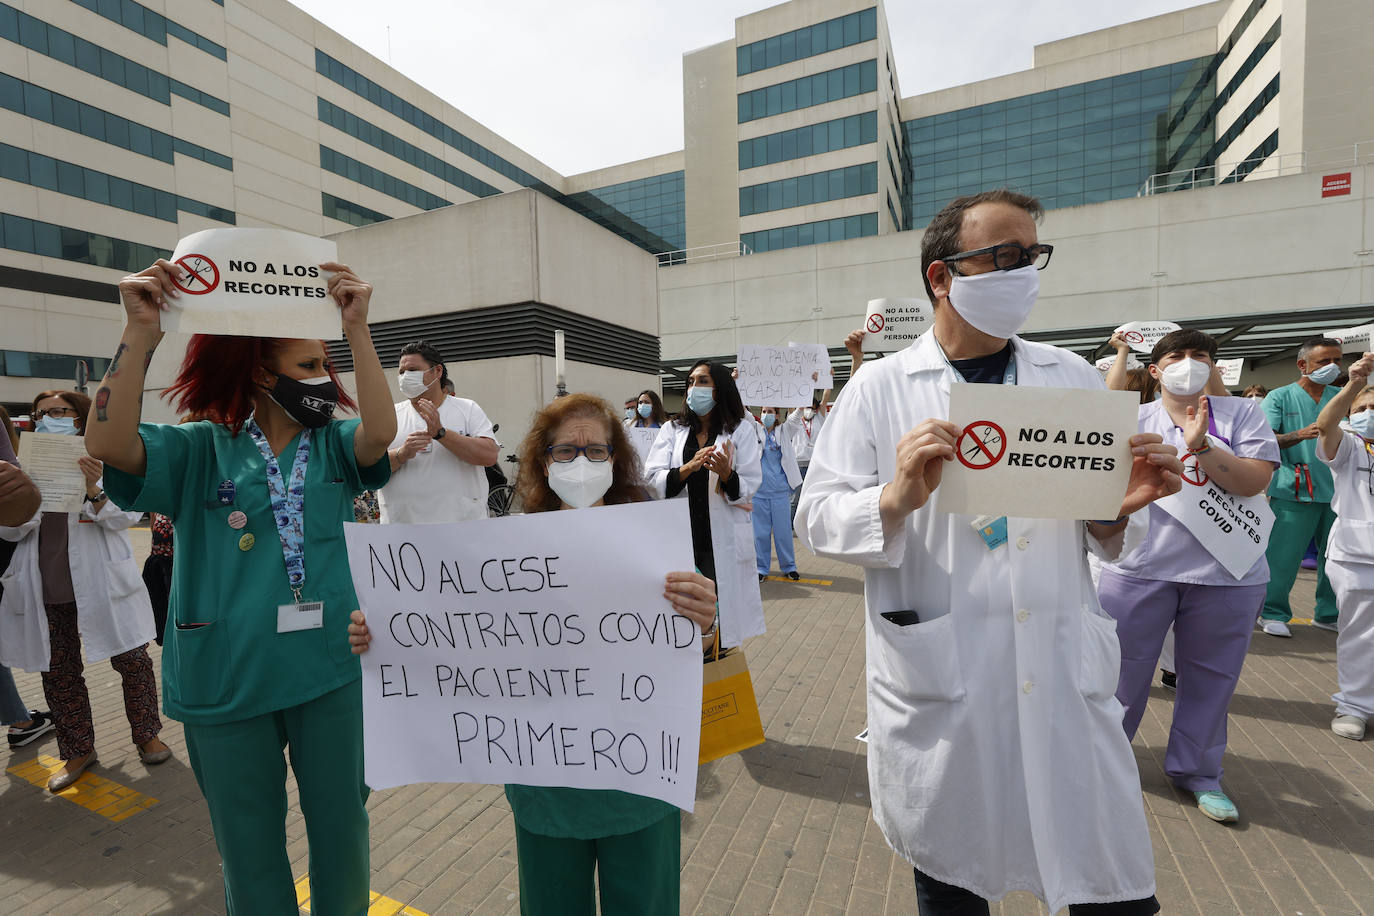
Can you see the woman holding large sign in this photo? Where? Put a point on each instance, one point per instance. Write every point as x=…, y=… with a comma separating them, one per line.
x=577, y=455
x=1201, y=569
x=256, y=658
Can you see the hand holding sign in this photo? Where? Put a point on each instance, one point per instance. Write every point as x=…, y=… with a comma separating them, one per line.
x=921, y=457
x=1362, y=368
x=144, y=295
x=351, y=293
x=1141, y=336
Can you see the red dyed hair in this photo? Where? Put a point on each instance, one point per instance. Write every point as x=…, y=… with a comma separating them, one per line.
x=216, y=377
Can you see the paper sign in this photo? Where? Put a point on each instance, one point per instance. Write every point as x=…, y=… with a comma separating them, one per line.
x=1143, y=335
x=50, y=461
x=1039, y=452
x=1234, y=529
x=525, y=650
x=1230, y=370
x=774, y=377
x=892, y=324
x=643, y=439
x=817, y=364
x=255, y=283
x=1353, y=340
x=1105, y=363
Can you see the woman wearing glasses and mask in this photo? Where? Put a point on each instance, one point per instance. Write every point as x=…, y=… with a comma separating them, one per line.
x=711, y=454
x=256, y=657
x=73, y=584
x=577, y=455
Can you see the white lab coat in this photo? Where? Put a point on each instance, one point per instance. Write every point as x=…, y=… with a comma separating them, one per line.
x=113, y=613
x=996, y=755
x=803, y=441
x=732, y=527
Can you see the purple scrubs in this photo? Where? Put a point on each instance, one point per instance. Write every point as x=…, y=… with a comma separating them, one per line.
x=1172, y=579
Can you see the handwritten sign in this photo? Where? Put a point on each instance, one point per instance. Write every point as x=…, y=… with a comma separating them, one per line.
x=1230, y=370
x=642, y=438
x=524, y=650
x=255, y=283
x=50, y=461
x=893, y=324
x=1143, y=335
x=1234, y=529
x=1039, y=452
x=774, y=377
x=816, y=363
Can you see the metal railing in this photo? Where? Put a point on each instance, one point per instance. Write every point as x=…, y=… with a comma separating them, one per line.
x=1270, y=166
x=704, y=253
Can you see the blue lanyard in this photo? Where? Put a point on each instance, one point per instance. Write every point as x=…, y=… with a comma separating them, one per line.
x=289, y=513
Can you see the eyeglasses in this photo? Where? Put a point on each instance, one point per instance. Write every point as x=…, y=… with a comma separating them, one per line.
x=56, y=412
x=565, y=453
x=1007, y=256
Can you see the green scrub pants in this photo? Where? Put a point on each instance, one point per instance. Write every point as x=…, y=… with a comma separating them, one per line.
x=1295, y=525
x=242, y=773
x=640, y=873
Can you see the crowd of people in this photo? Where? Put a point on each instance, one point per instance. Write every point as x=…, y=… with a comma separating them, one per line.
x=1006, y=676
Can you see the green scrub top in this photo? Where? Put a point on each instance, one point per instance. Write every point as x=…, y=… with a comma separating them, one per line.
x=223, y=659
x=1289, y=409
x=583, y=814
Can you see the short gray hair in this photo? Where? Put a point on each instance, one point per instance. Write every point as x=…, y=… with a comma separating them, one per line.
x=1313, y=343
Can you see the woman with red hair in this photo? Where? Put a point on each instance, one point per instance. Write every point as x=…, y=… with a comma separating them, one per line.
x=256, y=657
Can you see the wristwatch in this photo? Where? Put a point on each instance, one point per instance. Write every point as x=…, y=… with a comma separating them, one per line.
x=96, y=498
x=440, y=434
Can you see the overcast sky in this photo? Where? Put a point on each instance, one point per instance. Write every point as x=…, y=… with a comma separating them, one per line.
x=586, y=84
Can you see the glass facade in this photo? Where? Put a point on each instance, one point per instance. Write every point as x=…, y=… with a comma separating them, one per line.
x=1080, y=144
x=346, y=211
x=807, y=42
x=138, y=18
x=810, y=140
x=21, y=364
x=50, y=41
x=657, y=203
x=835, y=184
x=377, y=180
x=817, y=89
x=826, y=230
x=20, y=233
x=42, y=171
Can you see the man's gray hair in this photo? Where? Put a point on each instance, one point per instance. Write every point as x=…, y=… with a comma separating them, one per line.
x=1313, y=343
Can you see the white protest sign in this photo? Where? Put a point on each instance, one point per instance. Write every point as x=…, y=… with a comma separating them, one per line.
x=1354, y=340
x=893, y=324
x=1105, y=363
x=1234, y=529
x=1143, y=335
x=774, y=377
x=254, y=283
x=1039, y=452
x=1230, y=370
x=642, y=438
x=816, y=361
x=50, y=460
x=524, y=650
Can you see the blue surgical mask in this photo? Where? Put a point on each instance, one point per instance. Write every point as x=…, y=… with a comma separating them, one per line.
x=1326, y=374
x=1363, y=424
x=60, y=426
x=646, y=410
x=769, y=419
x=700, y=400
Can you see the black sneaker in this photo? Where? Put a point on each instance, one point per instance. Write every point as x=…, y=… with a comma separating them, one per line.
x=794, y=575
x=763, y=576
x=40, y=723
x=1168, y=679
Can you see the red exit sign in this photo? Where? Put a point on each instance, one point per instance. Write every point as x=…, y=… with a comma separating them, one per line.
x=1336, y=185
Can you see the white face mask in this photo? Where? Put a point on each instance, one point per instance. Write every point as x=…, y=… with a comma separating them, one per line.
x=998, y=302
x=412, y=383
x=1185, y=377
x=581, y=483
x=807, y=413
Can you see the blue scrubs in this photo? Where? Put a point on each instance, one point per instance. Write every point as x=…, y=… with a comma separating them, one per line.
x=772, y=510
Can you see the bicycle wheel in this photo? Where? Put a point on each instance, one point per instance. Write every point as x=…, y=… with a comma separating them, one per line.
x=499, y=500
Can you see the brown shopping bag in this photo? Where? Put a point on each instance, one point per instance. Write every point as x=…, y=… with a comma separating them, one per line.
x=729, y=713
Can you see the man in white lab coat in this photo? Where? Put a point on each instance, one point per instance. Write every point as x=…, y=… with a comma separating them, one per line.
x=996, y=757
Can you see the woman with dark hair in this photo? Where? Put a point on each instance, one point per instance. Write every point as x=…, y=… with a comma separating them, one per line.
x=577, y=455
x=256, y=658
x=43, y=627
x=710, y=453
x=649, y=412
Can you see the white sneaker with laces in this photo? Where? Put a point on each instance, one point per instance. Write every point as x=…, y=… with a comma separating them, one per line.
x=1275, y=627
x=1351, y=727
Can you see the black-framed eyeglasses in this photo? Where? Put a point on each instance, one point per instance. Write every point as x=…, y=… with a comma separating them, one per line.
x=1006, y=256
x=565, y=453
x=56, y=412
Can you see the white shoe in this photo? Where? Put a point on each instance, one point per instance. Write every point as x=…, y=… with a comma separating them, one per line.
x=1351, y=727
x=1323, y=625
x=1275, y=627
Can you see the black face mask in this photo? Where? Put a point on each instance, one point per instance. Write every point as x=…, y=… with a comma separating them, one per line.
x=310, y=403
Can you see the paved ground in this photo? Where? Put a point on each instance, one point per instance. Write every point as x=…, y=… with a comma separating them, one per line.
x=783, y=828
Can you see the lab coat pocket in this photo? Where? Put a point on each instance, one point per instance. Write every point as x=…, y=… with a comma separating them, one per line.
x=122, y=577
x=9, y=585
x=920, y=661
x=202, y=664
x=1099, y=666
x=1351, y=539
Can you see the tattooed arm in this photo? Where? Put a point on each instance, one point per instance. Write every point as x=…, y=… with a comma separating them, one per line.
x=112, y=427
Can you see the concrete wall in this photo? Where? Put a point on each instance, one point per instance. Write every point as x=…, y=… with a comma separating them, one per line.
x=711, y=155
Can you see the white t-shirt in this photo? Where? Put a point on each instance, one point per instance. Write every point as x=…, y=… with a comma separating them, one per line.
x=436, y=485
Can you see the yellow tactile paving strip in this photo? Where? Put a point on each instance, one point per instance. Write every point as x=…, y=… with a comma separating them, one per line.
x=377, y=904
x=95, y=793
x=802, y=581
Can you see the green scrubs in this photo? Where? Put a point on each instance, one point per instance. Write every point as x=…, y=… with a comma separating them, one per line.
x=1299, y=516
x=566, y=837
x=243, y=690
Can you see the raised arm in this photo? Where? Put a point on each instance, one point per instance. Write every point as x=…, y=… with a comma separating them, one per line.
x=1335, y=410
x=378, y=426
x=112, y=427
x=1116, y=375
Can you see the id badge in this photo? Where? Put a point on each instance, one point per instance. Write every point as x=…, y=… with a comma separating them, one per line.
x=308, y=615
x=993, y=531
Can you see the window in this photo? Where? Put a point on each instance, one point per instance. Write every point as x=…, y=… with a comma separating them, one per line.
x=24, y=234
x=813, y=139
x=809, y=41
x=844, y=82
x=830, y=230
